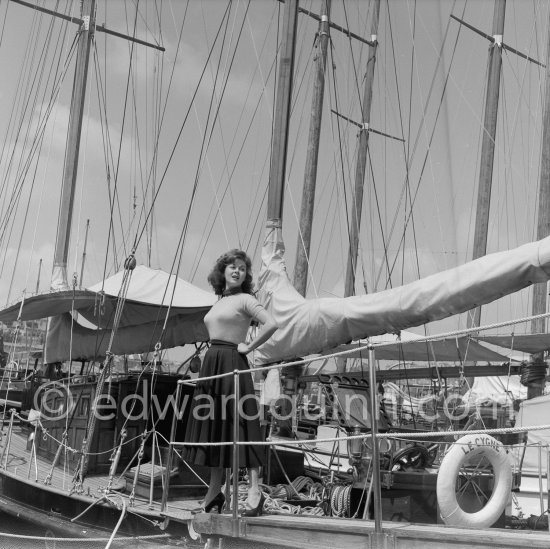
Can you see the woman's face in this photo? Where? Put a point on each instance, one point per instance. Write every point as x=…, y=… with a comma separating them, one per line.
x=235, y=274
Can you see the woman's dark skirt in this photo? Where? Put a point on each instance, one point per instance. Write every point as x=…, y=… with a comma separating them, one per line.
x=212, y=410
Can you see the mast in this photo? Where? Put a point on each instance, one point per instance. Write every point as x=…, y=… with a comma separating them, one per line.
x=543, y=226
x=357, y=204
x=277, y=171
x=357, y=199
x=535, y=385
x=488, y=142
x=87, y=31
x=86, y=35
x=310, y=177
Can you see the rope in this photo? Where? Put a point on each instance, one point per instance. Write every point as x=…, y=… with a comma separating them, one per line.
x=46, y=434
x=532, y=371
x=80, y=540
x=301, y=488
x=396, y=436
x=340, y=500
x=119, y=522
x=419, y=135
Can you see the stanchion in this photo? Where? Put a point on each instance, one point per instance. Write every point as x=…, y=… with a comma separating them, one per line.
x=235, y=464
x=374, y=418
x=541, y=496
x=170, y=449
x=548, y=482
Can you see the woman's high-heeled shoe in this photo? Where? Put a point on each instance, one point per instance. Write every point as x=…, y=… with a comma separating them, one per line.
x=217, y=501
x=256, y=511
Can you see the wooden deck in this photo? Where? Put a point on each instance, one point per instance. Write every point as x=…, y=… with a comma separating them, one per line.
x=300, y=532
x=305, y=532
x=25, y=466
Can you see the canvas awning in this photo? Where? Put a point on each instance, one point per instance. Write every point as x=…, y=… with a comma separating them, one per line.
x=157, y=305
x=525, y=343
x=150, y=293
x=461, y=350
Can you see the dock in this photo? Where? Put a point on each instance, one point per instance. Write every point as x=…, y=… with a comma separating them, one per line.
x=305, y=532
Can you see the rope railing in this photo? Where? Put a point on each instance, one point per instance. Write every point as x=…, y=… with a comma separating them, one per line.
x=367, y=346
x=310, y=444
x=416, y=435
x=398, y=436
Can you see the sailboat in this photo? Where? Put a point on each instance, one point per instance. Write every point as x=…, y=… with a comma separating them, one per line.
x=109, y=476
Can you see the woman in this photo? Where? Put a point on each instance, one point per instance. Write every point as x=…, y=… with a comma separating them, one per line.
x=211, y=417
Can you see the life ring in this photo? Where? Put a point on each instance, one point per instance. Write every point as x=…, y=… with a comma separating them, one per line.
x=467, y=449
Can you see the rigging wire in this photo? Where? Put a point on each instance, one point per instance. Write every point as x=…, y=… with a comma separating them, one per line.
x=156, y=124
x=43, y=117
x=32, y=83
x=160, y=114
x=294, y=149
x=227, y=71
x=179, y=255
x=336, y=135
x=209, y=124
x=82, y=171
x=220, y=197
x=427, y=150
x=341, y=164
x=213, y=125
x=252, y=222
x=407, y=161
x=352, y=261
x=355, y=101
x=115, y=196
x=180, y=133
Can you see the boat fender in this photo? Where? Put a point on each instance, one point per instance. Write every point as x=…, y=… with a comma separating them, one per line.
x=463, y=450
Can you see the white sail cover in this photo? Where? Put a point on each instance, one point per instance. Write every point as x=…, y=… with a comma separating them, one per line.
x=308, y=326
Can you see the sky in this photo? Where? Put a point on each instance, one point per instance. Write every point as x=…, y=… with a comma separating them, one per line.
x=205, y=156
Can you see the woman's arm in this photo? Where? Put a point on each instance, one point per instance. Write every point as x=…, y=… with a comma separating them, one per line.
x=269, y=327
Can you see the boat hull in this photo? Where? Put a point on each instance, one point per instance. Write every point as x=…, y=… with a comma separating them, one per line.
x=57, y=511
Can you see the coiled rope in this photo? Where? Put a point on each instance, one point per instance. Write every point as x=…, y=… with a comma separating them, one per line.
x=279, y=499
x=340, y=500
x=532, y=371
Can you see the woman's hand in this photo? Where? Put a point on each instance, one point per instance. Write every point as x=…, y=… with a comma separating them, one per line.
x=243, y=348
x=268, y=329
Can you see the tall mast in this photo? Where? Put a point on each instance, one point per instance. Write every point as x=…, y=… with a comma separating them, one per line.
x=543, y=226
x=488, y=142
x=277, y=171
x=86, y=34
x=357, y=204
x=310, y=177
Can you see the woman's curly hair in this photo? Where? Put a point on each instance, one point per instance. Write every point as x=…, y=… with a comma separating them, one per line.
x=216, y=278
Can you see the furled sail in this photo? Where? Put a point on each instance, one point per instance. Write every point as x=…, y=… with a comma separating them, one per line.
x=310, y=326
